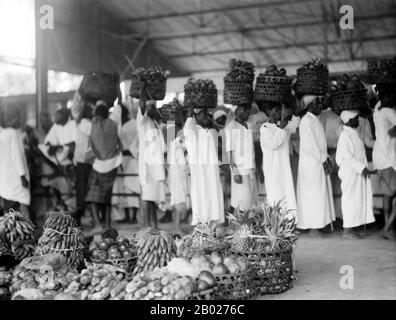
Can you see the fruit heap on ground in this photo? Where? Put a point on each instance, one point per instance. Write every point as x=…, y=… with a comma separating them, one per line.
x=155, y=249
x=48, y=274
x=112, y=248
x=5, y=282
x=202, y=239
x=266, y=228
x=240, y=70
x=160, y=284
x=98, y=282
x=20, y=232
x=62, y=235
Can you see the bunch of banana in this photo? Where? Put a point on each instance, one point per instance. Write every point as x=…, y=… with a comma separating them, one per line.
x=61, y=235
x=17, y=229
x=155, y=249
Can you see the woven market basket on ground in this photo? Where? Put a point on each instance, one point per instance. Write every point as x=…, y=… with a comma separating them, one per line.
x=200, y=99
x=237, y=92
x=348, y=100
x=381, y=71
x=312, y=81
x=208, y=294
x=237, y=286
x=125, y=264
x=273, y=271
x=100, y=85
x=272, y=88
x=155, y=89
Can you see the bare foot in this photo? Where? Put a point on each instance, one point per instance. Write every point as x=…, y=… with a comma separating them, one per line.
x=390, y=235
x=314, y=233
x=96, y=230
x=351, y=235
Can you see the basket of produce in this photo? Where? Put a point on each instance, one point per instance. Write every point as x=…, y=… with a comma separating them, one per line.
x=62, y=235
x=155, y=249
x=20, y=232
x=265, y=237
x=348, y=93
x=202, y=240
x=200, y=94
x=381, y=71
x=273, y=85
x=312, y=79
x=238, y=83
x=160, y=284
x=155, y=80
x=5, y=283
x=117, y=251
x=98, y=85
x=169, y=111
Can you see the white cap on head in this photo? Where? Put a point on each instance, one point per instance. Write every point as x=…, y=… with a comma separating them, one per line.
x=307, y=99
x=219, y=113
x=347, y=115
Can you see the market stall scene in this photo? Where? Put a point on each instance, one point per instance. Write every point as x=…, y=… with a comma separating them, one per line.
x=197, y=150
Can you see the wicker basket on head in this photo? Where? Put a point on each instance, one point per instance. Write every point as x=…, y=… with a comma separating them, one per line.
x=98, y=85
x=381, y=71
x=272, y=88
x=312, y=81
x=155, y=89
x=350, y=99
x=273, y=270
x=200, y=99
x=238, y=92
x=236, y=286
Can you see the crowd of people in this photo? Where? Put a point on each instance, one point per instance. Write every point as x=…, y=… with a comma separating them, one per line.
x=93, y=159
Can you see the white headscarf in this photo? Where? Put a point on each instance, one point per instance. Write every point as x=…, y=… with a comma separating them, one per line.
x=307, y=99
x=347, y=115
x=219, y=113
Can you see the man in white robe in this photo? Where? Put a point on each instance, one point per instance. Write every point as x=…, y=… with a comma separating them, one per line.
x=384, y=152
x=151, y=160
x=315, y=206
x=14, y=173
x=357, y=196
x=274, y=139
x=206, y=192
x=239, y=144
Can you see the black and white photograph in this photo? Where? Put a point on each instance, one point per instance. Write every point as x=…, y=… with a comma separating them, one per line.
x=206, y=152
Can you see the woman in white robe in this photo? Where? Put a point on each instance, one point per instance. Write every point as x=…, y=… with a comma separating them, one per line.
x=357, y=197
x=206, y=192
x=315, y=208
x=278, y=177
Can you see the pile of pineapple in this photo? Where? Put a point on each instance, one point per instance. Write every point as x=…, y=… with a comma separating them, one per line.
x=266, y=228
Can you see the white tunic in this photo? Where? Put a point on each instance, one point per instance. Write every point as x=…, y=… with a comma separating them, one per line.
x=357, y=197
x=384, y=152
x=178, y=177
x=315, y=208
x=239, y=141
x=207, y=201
x=151, y=159
x=276, y=165
x=13, y=165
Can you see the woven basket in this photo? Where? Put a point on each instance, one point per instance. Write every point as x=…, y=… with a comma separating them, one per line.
x=272, y=88
x=381, y=71
x=348, y=100
x=125, y=264
x=236, y=286
x=200, y=99
x=273, y=271
x=155, y=89
x=209, y=294
x=237, y=92
x=312, y=81
x=99, y=85
x=168, y=113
